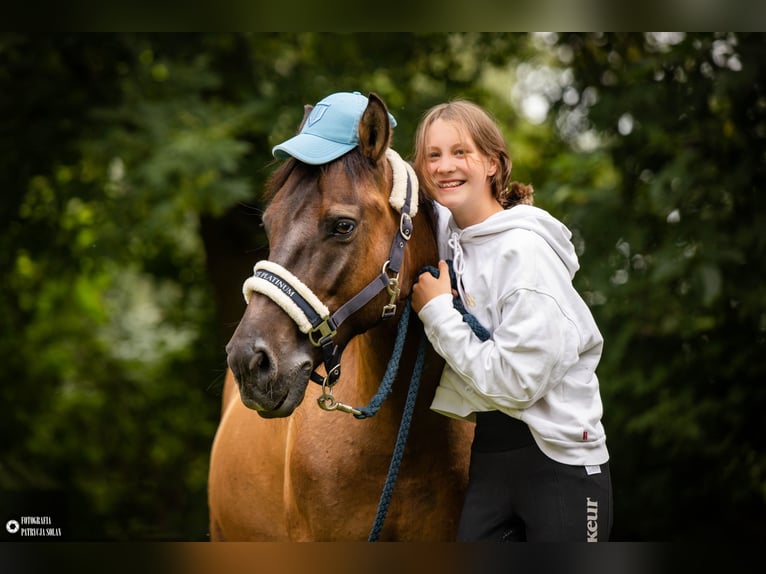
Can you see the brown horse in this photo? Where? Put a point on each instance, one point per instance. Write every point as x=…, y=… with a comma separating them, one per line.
x=284, y=469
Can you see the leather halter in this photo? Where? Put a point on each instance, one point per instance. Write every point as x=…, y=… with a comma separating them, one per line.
x=306, y=309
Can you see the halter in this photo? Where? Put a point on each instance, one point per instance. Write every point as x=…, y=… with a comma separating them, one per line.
x=312, y=317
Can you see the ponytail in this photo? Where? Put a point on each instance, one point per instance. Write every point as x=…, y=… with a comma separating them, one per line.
x=516, y=194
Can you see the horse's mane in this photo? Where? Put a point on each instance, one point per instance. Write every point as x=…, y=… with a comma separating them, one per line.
x=356, y=166
x=427, y=209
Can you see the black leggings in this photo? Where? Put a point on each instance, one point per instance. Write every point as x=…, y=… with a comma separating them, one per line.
x=516, y=493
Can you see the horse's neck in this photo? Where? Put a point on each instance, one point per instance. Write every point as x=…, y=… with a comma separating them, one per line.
x=374, y=348
x=373, y=351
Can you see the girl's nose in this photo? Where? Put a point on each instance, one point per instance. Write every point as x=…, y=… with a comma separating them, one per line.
x=445, y=165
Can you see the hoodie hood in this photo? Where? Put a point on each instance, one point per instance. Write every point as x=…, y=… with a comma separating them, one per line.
x=527, y=217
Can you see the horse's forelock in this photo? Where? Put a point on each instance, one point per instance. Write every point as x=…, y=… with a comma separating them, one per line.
x=360, y=168
x=357, y=167
x=279, y=177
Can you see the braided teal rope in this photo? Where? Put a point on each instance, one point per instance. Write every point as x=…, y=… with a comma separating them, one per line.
x=384, y=389
x=401, y=441
x=412, y=393
x=479, y=330
x=392, y=369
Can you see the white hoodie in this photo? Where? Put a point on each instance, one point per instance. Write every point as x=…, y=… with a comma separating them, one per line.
x=515, y=273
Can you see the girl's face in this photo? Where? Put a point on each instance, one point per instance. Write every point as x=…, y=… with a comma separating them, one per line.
x=460, y=173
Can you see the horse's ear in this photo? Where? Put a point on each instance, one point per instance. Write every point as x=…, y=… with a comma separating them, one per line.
x=374, y=129
x=306, y=111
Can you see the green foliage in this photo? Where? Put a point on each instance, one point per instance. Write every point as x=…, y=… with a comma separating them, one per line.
x=132, y=167
x=677, y=255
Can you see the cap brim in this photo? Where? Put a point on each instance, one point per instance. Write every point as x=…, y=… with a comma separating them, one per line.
x=311, y=149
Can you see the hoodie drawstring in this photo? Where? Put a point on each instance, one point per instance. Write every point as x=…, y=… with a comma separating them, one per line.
x=458, y=262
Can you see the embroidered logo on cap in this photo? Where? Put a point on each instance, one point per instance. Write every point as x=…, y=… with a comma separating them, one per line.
x=317, y=113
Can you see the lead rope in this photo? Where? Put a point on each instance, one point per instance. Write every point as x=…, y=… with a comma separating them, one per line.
x=384, y=389
x=409, y=406
x=478, y=329
x=393, y=364
x=401, y=437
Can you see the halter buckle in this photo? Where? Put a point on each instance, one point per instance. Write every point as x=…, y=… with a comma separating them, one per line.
x=319, y=334
x=389, y=310
x=405, y=225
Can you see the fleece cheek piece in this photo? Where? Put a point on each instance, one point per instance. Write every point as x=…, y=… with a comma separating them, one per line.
x=401, y=170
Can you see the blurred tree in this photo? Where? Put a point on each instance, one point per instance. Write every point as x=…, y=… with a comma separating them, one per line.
x=674, y=258
x=106, y=339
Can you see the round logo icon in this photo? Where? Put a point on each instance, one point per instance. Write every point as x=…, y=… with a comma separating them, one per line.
x=12, y=526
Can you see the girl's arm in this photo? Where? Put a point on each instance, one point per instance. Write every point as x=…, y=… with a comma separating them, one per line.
x=428, y=287
x=531, y=349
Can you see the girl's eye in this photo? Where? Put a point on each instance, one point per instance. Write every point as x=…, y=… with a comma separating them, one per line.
x=344, y=227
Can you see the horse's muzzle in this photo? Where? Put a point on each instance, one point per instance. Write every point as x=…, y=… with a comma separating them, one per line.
x=270, y=384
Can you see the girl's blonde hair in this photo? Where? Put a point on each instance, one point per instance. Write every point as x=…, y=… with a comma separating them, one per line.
x=483, y=130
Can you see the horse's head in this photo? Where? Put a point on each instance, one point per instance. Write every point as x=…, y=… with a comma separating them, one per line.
x=330, y=226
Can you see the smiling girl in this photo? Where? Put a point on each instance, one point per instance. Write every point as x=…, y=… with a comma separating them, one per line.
x=539, y=462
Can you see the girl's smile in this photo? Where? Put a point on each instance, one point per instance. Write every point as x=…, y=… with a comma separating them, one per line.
x=460, y=174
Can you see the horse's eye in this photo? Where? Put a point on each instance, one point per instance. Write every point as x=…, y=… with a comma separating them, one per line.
x=344, y=227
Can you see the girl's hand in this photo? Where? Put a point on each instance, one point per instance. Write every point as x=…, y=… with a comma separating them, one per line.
x=429, y=287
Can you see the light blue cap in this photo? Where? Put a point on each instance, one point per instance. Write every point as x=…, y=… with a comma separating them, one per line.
x=330, y=131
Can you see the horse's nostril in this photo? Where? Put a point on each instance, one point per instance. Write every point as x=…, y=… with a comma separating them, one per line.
x=251, y=362
x=260, y=362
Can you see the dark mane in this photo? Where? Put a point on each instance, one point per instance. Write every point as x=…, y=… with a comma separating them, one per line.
x=357, y=167
x=427, y=209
